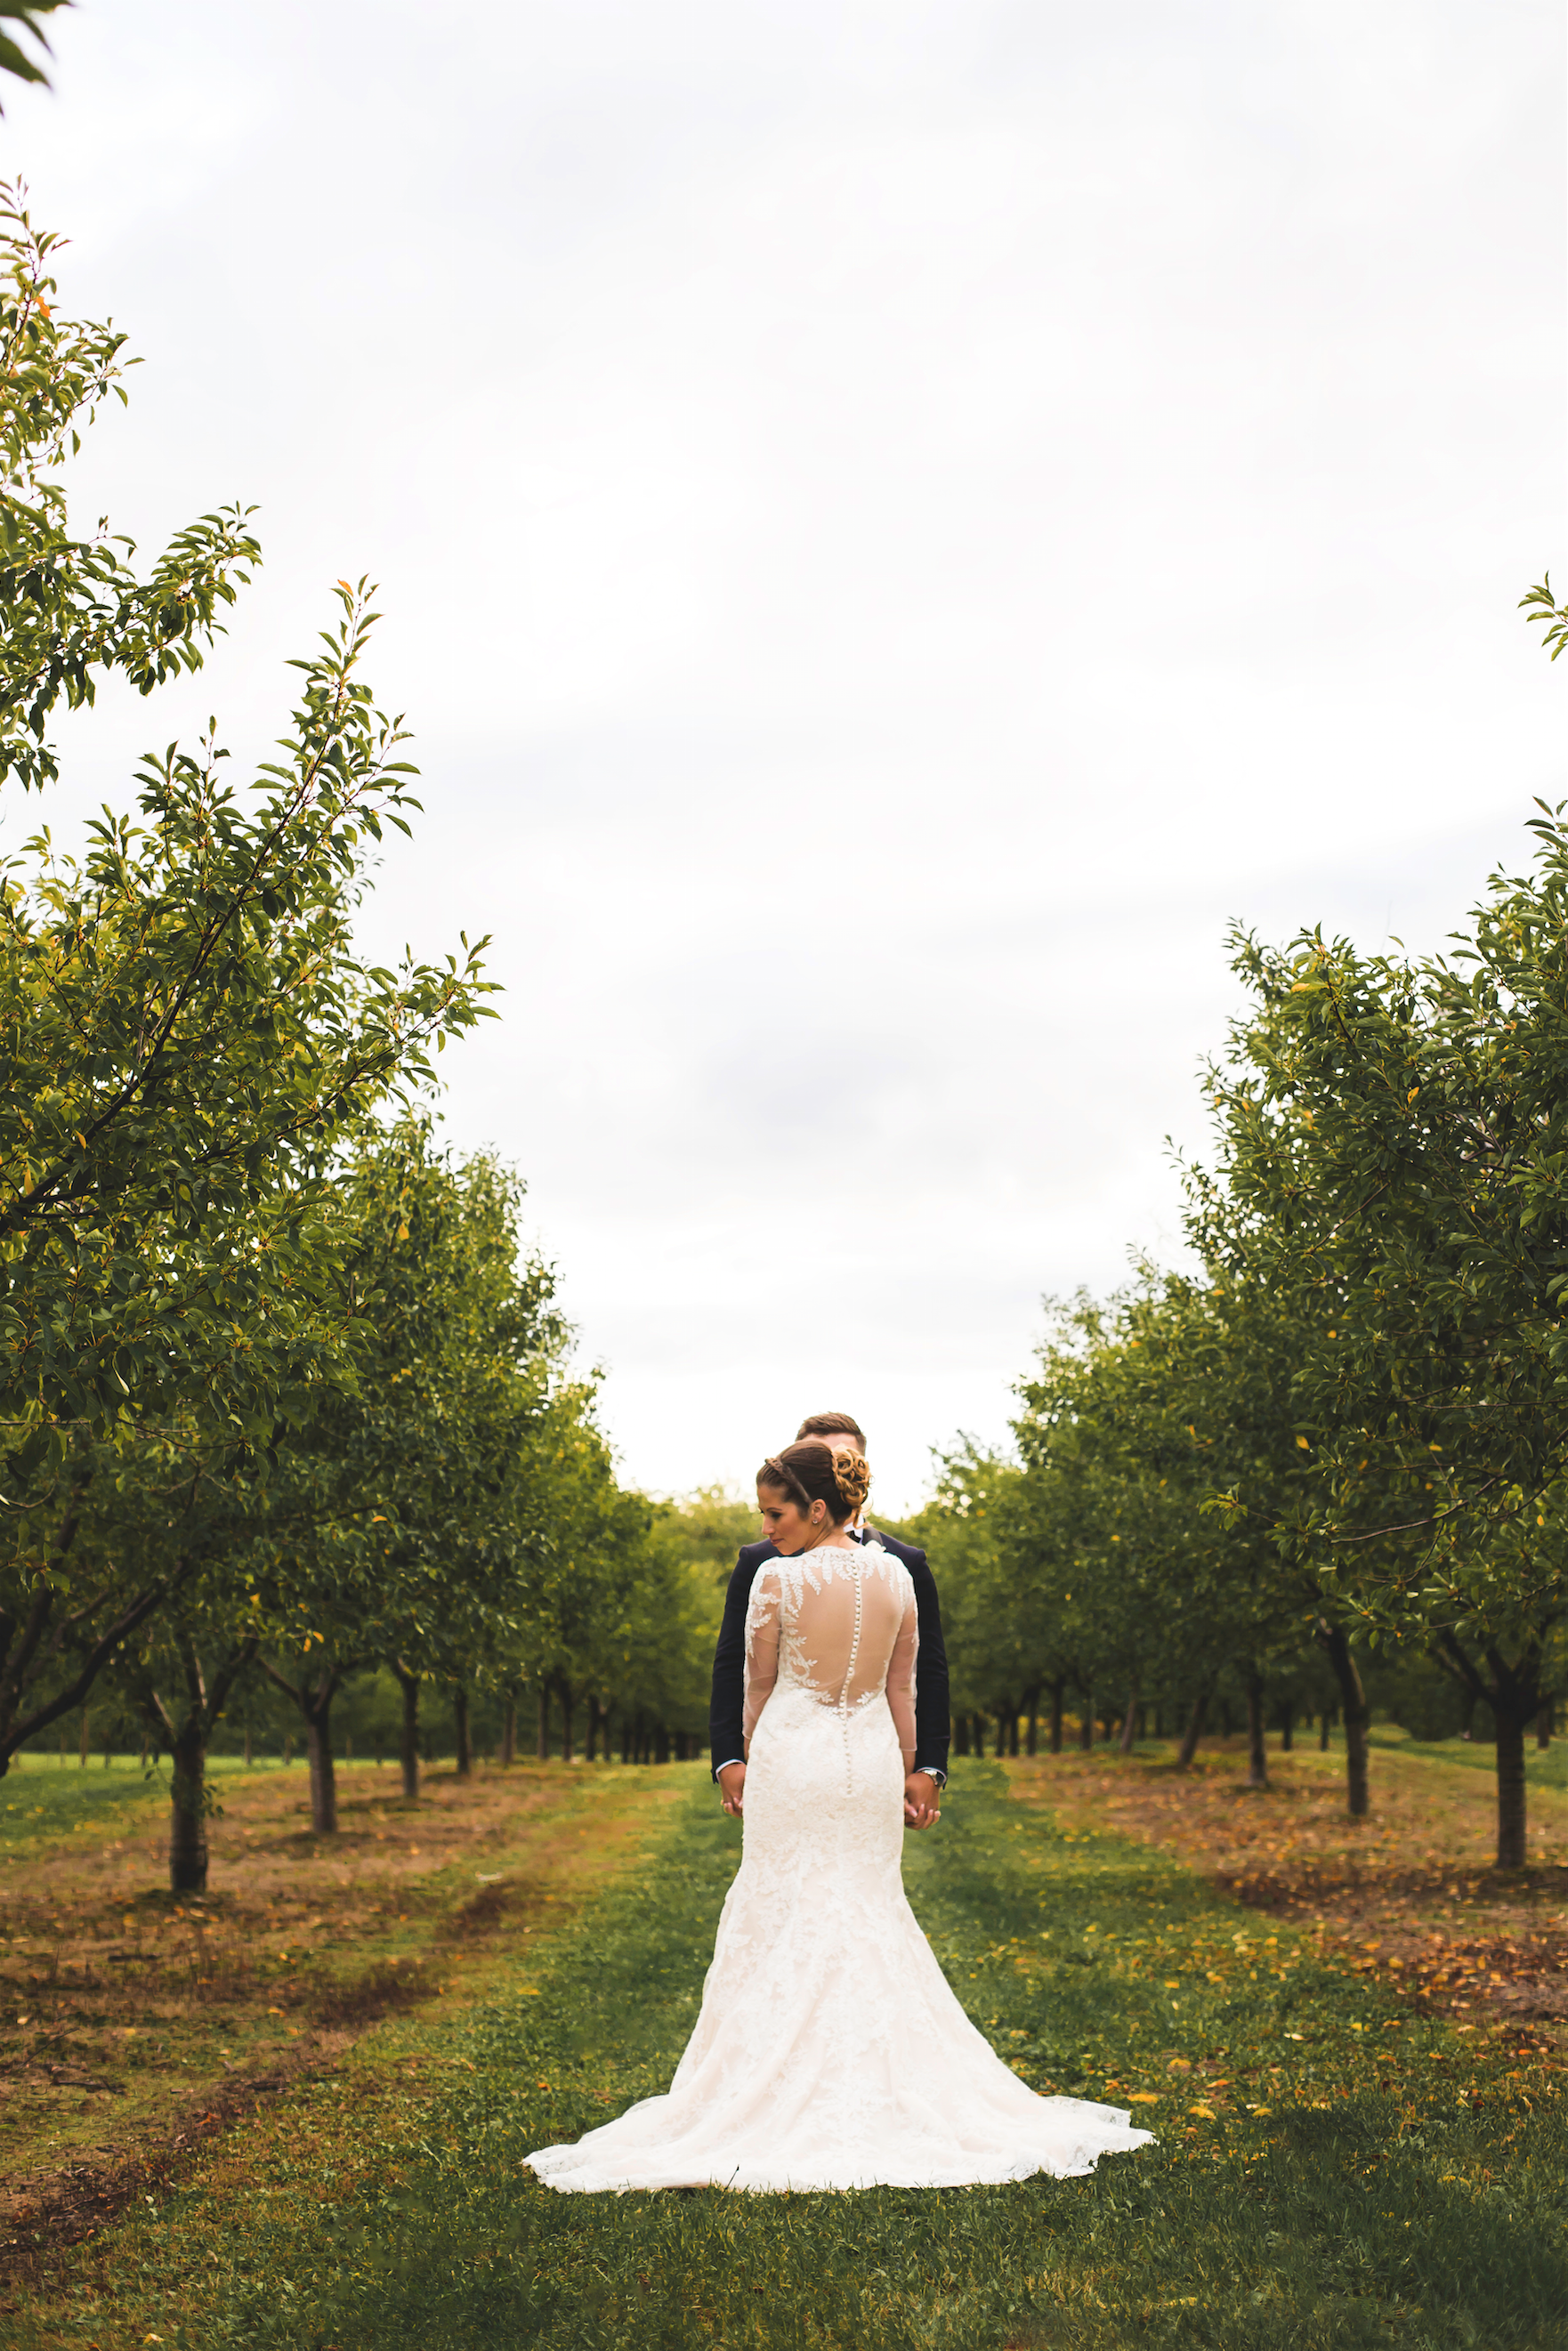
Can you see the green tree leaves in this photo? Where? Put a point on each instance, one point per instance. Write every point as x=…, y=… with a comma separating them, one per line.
x=190, y=1043
x=24, y=16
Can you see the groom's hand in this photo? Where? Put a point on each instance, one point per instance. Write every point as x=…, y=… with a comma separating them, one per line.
x=920, y=1805
x=732, y=1787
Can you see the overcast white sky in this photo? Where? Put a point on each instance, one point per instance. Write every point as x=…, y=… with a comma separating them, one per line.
x=895, y=522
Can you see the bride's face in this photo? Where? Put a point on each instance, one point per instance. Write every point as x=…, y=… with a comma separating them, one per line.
x=786, y=1525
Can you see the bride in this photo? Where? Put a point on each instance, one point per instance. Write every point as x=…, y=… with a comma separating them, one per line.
x=830, y=2051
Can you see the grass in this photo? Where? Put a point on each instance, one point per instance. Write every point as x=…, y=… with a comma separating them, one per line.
x=1337, y=2165
x=132, y=2019
x=41, y=1801
x=1544, y=1767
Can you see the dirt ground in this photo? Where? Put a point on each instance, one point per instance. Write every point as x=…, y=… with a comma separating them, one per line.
x=135, y=2023
x=1403, y=1891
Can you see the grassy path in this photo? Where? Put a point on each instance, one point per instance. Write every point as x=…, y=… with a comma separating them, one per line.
x=134, y=2023
x=1331, y=2170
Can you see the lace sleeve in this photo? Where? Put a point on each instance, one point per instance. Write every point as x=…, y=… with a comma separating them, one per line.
x=762, y=1614
x=901, y=1677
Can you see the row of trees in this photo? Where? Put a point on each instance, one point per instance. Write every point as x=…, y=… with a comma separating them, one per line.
x=1340, y=1447
x=282, y=1393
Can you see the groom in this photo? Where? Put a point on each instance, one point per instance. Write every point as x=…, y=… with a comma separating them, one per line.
x=929, y=1776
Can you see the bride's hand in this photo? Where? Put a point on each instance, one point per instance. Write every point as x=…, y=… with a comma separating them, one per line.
x=731, y=1787
x=920, y=1804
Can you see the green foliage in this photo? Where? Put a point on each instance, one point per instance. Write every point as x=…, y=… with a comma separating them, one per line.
x=709, y=1528
x=191, y=1044
x=1348, y=1434
x=400, y=1513
x=1541, y=605
x=24, y=16
x=1393, y=1156
x=72, y=610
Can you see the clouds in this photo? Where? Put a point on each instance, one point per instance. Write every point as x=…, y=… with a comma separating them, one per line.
x=895, y=524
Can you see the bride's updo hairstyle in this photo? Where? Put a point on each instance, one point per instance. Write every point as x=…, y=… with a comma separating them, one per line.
x=812, y=1471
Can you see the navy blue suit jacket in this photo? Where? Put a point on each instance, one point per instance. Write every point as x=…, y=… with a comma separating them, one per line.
x=932, y=1723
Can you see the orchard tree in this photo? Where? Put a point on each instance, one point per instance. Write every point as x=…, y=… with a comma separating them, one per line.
x=1213, y=1382
x=1003, y=1649
x=73, y=610
x=190, y=1035
x=403, y=1522
x=1394, y=1152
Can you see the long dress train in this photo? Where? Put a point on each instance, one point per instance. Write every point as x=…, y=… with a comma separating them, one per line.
x=830, y=2051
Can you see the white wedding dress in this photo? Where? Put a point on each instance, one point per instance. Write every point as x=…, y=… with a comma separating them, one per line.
x=830, y=2051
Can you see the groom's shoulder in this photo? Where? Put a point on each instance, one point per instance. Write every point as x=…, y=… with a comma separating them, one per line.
x=907, y=1552
x=752, y=1556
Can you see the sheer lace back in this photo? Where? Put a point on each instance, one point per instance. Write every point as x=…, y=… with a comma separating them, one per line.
x=839, y=1625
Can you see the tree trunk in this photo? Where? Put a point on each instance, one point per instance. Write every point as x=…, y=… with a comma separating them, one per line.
x=960, y=1734
x=84, y=1738
x=1012, y=1730
x=1257, y=1743
x=1325, y=1731
x=323, y=1774
x=591, y=1733
x=510, y=1730
x=1335, y=1642
x=627, y=1728
x=1002, y=1712
x=1057, y=1688
x=1543, y=1724
x=1130, y=1721
x=542, y=1749
x=247, y=1747
x=1514, y=1696
x=564, y=1687
x=1511, y=1792
x=408, y=1737
x=1287, y=1728
x=462, y=1742
x=1193, y=1732
x=188, y=1812
x=1086, y=1722
x=1515, y=1705
x=1031, y=1701
x=185, y=1730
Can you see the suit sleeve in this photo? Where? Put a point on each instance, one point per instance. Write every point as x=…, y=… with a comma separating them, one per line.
x=932, y=1718
x=729, y=1700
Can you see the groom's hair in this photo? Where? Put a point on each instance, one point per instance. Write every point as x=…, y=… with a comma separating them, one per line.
x=829, y=1423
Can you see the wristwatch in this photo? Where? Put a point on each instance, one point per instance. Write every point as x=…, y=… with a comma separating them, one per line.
x=935, y=1772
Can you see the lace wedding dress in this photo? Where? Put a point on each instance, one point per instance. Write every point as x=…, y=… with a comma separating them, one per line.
x=830, y=2051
